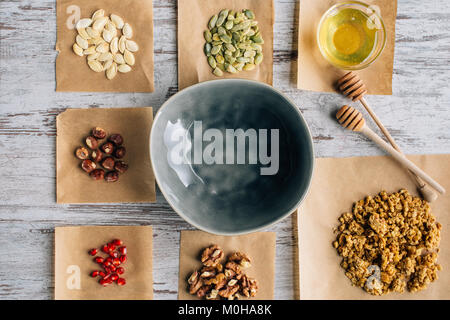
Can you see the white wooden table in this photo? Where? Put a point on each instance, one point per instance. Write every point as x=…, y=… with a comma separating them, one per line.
x=418, y=115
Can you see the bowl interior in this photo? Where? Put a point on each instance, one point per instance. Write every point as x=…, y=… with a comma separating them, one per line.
x=231, y=196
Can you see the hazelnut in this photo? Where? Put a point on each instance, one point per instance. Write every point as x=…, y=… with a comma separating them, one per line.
x=97, y=155
x=99, y=133
x=121, y=166
x=120, y=152
x=82, y=153
x=108, y=148
x=112, y=176
x=108, y=163
x=116, y=139
x=88, y=165
x=97, y=174
x=91, y=142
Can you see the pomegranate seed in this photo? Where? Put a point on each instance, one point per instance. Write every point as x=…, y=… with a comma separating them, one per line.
x=101, y=274
x=114, y=254
x=94, y=274
x=120, y=270
x=111, y=247
x=99, y=260
x=112, y=268
x=105, y=248
x=104, y=282
x=106, y=263
x=93, y=252
x=121, y=281
x=123, y=250
x=117, y=242
x=107, y=270
x=123, y=259
x=116, y=262
x=114, y=277
x=109, y=259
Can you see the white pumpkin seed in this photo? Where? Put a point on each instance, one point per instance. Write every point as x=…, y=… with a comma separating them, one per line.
x=96, y=41
x=122, y=44
x=105, y=57
x=102, y=47
x=83, y=23
x=118, y=21
x=82, y=32
x=100, y=13
x=77, y=49
x=107, y=64
x=92, y=32
x=93, y=56
x=127, y=31
x=119, y=59
x=129, y=58
x=83, y=43
x=132, y=46
x=99, y=24
x=111, y=72
x=114, y=45
x=95, y=65
x=107, y=36
x=90, y=50
x=124, y=68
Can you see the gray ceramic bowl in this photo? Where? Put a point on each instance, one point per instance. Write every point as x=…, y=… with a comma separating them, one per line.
x=232, y=197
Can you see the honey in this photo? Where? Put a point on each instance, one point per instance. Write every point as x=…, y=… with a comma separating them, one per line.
x=348, y=37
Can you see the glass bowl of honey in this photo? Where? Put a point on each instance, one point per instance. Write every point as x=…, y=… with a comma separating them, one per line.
x=351, y=35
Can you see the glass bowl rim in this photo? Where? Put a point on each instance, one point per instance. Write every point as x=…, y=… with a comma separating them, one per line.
x=364, y=64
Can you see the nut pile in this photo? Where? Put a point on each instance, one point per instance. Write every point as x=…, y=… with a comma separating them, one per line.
x=111, y=264
x=389, y=243
x=233, y=42
x=216, y=281
x=106, y=42
x=109, y=155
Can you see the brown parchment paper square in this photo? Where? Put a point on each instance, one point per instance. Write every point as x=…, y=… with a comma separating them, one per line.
x=336, y=185
x=73, y=185
x=316, y=74
x=193, y=18
x=260, y=247
x=73, y=72
x=71, y=255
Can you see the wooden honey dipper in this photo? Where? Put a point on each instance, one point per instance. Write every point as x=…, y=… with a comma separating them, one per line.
x=352, y=86
x=352, y=119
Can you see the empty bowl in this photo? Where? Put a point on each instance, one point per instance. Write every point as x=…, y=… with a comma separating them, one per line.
x=231, y=156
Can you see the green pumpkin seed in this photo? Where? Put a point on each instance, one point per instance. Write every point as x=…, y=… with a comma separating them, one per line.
x=229, y=24
x=231, y=69
x=242, y=59
x=217, y=72
x=221, y=31
x=212, y=62
x=225, y=38
x=220, y=59
x=230, y=47
x=213, y=21
x=207, y=49
x=249, y=66
x=215, y=50
x=207, y=35
x=259, y=58
x=216, y=37
x=249, y=14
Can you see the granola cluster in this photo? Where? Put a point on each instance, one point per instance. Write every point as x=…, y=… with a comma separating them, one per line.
x=389, y=243
x=216, y=281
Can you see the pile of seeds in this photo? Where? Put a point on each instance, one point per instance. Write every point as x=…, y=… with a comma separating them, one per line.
x=111, y=264
x=109, y=155
x=106, y=42
x=233, y=42
x=216, y=281
x=389, y=243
